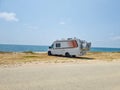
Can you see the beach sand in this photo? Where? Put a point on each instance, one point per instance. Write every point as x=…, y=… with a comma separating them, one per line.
x=61, y=76
x=38, y=71
x=21, y=58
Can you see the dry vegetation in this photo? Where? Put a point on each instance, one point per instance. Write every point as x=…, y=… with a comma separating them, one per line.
x=18, y=58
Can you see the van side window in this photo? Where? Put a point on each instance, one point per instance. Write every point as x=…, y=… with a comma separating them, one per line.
x=58, y=45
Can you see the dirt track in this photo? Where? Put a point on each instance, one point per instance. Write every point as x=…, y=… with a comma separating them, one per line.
x=68, y=76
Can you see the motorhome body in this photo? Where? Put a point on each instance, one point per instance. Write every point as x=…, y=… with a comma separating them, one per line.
x=70, y=47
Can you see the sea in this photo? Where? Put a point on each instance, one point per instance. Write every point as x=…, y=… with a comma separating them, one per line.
x=39, y=48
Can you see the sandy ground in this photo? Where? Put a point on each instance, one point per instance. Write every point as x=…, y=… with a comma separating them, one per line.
x=61, y=76
x=17, y=58
x=38, y=71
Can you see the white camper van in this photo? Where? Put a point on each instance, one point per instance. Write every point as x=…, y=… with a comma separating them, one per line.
x=70, y=47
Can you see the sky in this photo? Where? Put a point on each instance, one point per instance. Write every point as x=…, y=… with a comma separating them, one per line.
x=40, y=22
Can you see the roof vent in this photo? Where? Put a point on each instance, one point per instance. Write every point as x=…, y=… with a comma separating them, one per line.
x=69, y=38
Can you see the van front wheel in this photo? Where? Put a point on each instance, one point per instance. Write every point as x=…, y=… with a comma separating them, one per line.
x=67, y=54
x=49, y=53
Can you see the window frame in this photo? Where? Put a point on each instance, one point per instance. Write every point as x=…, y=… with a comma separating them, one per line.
x=58, y=45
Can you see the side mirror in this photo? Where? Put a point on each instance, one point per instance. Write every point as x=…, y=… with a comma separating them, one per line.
x=50, y=47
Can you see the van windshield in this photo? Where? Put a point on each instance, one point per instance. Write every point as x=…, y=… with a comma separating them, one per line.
x=51, y=46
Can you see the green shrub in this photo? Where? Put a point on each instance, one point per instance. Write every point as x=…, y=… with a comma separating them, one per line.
x=29, y=52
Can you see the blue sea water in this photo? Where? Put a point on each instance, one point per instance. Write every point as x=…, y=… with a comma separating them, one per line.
x=35, y=48
x=22, y=48
x=104, y=49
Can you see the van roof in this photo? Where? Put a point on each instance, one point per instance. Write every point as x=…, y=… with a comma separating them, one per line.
x=65, y=40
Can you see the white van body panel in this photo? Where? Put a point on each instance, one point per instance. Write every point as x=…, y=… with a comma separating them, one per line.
x=74, y=47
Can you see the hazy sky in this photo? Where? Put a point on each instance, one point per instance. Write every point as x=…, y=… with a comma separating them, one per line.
x=40, y=22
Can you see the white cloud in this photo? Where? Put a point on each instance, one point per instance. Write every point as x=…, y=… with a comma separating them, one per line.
x=33, y=27
x=116, y=38
x=25, y=24
x=9, y=16
x=62, y=23
x=30, y=27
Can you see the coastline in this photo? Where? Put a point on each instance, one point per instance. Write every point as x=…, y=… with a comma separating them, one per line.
x=44, y=48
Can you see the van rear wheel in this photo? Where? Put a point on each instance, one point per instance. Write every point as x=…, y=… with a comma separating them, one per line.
x=73, y=56
x=67, y=54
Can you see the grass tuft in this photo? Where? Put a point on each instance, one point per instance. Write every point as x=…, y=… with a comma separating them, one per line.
x=31, y=57
x=31, y=52
x=3, y=52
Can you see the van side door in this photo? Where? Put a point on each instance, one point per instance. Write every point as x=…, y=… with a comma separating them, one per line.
x=58, y=48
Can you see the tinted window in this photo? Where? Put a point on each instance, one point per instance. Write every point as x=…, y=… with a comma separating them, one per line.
x=58, y=45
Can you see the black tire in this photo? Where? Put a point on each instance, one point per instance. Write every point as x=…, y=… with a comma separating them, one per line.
x=67, y=54
x=73, y=56
x=49, y=53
